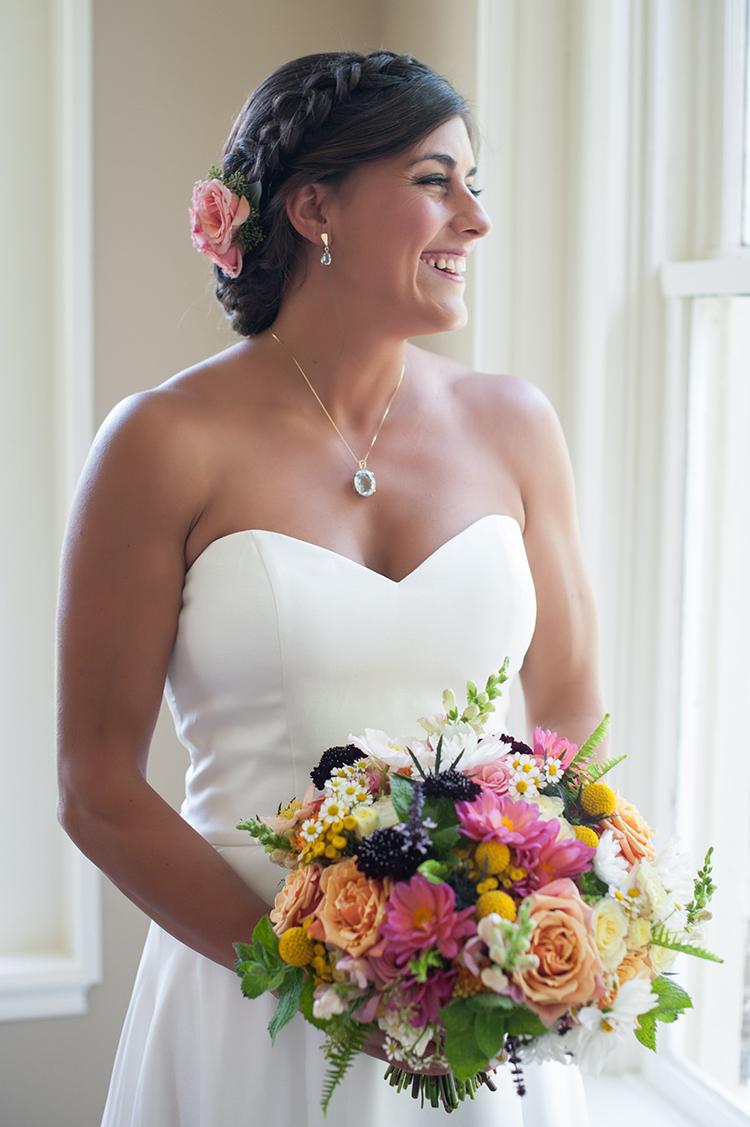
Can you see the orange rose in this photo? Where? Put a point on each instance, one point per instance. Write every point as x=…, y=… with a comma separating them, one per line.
x=569, y=970
x=634, y=963
x=352, y=908
x=633, y=834
x=298, y=898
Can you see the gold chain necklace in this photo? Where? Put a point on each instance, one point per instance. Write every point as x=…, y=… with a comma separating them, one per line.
x=364, y=479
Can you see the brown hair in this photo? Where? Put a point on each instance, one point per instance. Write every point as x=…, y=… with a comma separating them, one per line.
x=315, y=119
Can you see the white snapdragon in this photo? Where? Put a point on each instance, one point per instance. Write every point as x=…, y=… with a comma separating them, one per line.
x=327, y=1002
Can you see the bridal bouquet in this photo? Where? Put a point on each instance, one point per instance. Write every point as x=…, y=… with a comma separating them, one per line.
x=474, y=900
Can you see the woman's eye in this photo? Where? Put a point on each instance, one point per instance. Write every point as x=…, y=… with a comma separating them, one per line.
x=439, y=180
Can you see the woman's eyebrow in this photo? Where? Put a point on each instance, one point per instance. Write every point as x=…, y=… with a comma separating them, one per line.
x=444, y=159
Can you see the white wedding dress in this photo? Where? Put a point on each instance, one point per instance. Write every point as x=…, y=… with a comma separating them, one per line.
x=284, y=649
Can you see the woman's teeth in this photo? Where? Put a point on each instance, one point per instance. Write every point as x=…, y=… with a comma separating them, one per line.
x=449, y=265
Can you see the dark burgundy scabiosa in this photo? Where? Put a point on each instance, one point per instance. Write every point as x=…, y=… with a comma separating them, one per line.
x=388, y=853
x=333, y=758
x=450, y=784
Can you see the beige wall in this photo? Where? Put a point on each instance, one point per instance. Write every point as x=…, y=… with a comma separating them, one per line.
x=169, y=75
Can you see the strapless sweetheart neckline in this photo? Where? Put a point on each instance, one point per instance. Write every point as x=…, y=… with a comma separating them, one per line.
x=347, y=559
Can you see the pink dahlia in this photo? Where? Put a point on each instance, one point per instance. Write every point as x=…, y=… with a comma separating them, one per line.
x=492, y=817
x=554, y=860
x=424, y=1000
x=548, y=746
x=420, y=915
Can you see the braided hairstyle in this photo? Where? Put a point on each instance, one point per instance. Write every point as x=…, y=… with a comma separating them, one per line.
x=314, y=120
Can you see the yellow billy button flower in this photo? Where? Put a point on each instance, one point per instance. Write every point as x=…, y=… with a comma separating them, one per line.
x=587, y=835
x=296, y=948
x=486, y=885
x=495, y=901
x=598, y=800
x=491, y=857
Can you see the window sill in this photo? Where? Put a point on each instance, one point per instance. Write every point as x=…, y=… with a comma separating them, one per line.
x=707, y=278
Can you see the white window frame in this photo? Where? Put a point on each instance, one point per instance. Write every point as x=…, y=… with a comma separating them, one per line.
x=56, y=981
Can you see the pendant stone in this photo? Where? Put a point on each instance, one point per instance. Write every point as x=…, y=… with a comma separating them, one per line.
x=364, y=483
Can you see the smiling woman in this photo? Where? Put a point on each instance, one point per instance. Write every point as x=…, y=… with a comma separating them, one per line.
x=321, y=608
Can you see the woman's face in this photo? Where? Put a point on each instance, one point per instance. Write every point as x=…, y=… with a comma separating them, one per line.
x=400, y=231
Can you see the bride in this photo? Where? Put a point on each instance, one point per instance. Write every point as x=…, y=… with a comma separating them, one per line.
x=317, y=530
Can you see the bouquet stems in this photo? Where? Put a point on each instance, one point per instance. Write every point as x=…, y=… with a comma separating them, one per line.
x=446, y=1088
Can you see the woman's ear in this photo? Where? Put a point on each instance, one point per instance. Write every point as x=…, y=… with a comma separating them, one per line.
x=305, y=209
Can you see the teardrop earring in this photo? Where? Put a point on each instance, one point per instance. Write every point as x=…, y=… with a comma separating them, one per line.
x=325, y=258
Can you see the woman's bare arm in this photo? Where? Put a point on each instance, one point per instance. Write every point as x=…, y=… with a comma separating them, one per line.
x=561, y=674
x=121, y=591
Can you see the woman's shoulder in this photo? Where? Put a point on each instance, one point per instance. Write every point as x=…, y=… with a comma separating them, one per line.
x=500, y=401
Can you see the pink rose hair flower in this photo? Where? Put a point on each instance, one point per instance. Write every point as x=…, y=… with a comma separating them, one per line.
x=420, y=915
x=216, y=215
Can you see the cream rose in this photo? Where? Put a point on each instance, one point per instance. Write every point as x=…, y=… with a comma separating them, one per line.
x=639, y=934
x=609, y=924
x=297, y=899
x=569, y=969
x=550, y=806
x=661, y=959
x=351, y=908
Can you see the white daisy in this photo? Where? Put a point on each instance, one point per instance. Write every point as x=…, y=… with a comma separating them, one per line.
x=599, y=1032
x=609, y=864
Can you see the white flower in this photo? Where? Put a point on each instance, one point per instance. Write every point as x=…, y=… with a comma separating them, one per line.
x=599, y=1032
x=550, y=1046
x=494, y=978
x=609, y=923
x=609, y=864
x=650, y=883
x=393, y=752
x=327, y=1002
x=675, y=867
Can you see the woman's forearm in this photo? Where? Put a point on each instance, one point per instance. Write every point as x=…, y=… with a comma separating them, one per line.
x=160, y=862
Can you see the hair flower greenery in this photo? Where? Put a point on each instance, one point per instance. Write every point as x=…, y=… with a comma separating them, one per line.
x=225, y=219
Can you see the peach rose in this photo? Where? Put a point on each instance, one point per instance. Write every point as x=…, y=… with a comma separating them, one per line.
x=352, y=908
x=634, y=963
x=569, y=971
x=297, y=899
x=215, y=216
x=632, y=833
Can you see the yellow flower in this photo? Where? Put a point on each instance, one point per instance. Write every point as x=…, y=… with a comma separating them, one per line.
x=491, y=857
x=587, y=835
x=296, y=948
x=598, y=800
x=495, y=901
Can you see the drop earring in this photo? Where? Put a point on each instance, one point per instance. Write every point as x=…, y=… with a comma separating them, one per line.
x=325, y=258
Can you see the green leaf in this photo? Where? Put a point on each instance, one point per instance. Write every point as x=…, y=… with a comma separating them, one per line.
x=429, y=958
x=672, y=997
x=591, y=886
x=492, y=1001
x=255, y=981
x=290, y=990
x=595, y=771
x=489, y=1031
x=401, y=791
x=436, y=872
x=647, y=1032
x=463, y=1054
x=306, y=1000
x=444, y=840
x=244, y=952
x=521, y=1021
x=340, y=1050
x=661, y=937
x=266, y=936
x=458, y=1016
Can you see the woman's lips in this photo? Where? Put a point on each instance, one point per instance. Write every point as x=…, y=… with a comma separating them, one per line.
x=450, y=266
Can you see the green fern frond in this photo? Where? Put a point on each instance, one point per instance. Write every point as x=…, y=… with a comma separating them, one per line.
x=661, y=937
x=585, y=754
x=597, y=770
x=340, y=1050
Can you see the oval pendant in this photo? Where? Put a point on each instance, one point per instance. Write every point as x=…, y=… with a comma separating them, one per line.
x=364, y=483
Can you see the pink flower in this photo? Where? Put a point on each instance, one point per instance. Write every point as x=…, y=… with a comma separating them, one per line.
x=547, y=744
x=556, y=860
x=420, y=915
x=490, y=817
x=425, y=999
x=495, y=776
x=215, y=216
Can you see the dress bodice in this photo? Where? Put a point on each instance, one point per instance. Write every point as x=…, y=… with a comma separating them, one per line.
x=284, y=648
